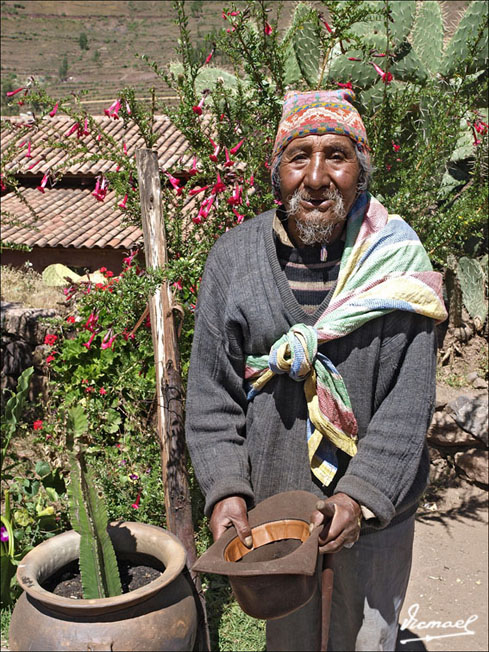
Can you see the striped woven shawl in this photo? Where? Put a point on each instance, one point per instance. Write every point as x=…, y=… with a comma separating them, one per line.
x=384, y=267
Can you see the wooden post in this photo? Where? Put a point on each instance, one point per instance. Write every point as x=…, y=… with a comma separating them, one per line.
x=168, y=380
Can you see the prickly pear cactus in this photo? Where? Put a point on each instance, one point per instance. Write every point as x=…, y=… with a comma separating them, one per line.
x=98, y=563
x=292, y=72
x=306, y=42
x=402, y=12
x=473, y=284
x=427, y=37
x=459, y=47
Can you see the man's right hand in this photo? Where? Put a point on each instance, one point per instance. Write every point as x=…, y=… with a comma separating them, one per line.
x=231, y=511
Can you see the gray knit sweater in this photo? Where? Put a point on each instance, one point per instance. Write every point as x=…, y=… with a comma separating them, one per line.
x=258, y=449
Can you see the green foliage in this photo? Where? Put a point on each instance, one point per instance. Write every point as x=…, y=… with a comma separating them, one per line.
x=428, y=36
x=63, y=68
x=13, y=411
x=468, y=43
x=83, y=41
x=98, y=563
x=473, y=282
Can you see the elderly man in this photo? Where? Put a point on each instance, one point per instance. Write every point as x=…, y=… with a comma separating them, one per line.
x=333, y=293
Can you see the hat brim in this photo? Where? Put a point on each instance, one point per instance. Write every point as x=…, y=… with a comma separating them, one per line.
x=282, y=517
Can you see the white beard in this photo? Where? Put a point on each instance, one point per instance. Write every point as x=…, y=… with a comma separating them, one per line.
x=316, y=228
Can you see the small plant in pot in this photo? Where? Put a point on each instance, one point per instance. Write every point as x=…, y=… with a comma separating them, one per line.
x=158, y=616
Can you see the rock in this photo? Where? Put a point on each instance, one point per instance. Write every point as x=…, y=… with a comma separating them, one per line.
x=445, y=394
x=474, y=463
x=472, y=376
x=441, y=471
x=26, y=323
x=444, y=431
x=55, y=275
x=479, y=383
x=471, y=414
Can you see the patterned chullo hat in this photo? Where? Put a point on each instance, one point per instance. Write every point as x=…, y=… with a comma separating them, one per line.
x=319, y=112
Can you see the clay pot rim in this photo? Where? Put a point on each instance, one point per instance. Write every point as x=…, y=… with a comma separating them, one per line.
x=29, y=568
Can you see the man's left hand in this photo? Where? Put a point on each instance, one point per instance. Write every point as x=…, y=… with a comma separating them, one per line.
x=341, y=517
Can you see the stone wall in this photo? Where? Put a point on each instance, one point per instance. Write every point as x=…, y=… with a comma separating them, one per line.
x=22, y=344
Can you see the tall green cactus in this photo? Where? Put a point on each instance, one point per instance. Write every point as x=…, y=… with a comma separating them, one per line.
x=98, y=563
x=473, y=282
x=306, y=42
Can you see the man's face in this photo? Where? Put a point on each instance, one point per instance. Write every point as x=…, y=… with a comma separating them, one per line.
x=318, y=176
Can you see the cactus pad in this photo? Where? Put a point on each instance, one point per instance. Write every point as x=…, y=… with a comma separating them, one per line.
x=473, y=284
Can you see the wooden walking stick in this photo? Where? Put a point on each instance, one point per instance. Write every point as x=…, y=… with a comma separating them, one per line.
x=327, y=576
x=168, y=379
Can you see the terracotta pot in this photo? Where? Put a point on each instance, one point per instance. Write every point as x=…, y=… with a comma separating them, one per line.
x=159, y=616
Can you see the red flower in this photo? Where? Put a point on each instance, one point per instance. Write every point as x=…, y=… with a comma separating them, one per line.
x=108, y=274
x=102, y=270
x=50, y=357
x=178, y=284
x=228, y=163
x=29, y=155
x=209, y=56
x=268, y=29
x=37, y=425
x=113, y=110
x=385, y=76
x=481, y=127
x=122, y=204
x=193, y=170
x=239, y=216
x=17, y=90
x=175, y=183
x=43, y=183
x=219, y=186
x=195, y=191
x=234, y=149
x=347, y=85
x=52, y=113
x=198, y=109
x=102, y=391
x=50, y=339
x=353, y=59
x=395, y=147
x=70, y=319
x=135, y=505
x=88, y=344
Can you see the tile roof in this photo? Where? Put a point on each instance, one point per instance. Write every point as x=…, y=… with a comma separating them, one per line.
x=171, y=145
x=71, y=216
x=66, y=217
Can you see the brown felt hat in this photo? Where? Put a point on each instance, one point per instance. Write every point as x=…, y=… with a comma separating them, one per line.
x=278, y=574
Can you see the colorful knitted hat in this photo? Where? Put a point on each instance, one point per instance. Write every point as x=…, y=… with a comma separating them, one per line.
x=319, y=112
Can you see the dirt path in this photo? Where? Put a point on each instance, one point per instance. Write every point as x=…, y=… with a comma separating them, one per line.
x=448, y=592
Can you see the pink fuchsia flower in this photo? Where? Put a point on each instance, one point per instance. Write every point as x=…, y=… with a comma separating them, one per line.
x=128, y=108
x=17, y=90
x=135, y=505
x=193, y=170
x=234, y=149
x=29, y=145
x=113, y=110
x=101, y=188
x=353, y=59
x=54, y=110
x=133, y=476
x=325, y=23
x=481, y=127
x=2, y=184
x=209, y=56
x=102, y=391
x=3, y=533
x=178, y=284
x=107, y=342
x=198, y=107
x=217, y=149
x=37, y=425
x=50, y=339
x=268, y=29
x=239, y=217
x=228, y=163
x=395, y=147
x=89, y=343
x=91, y=322
x=43, y=183
x=195, y=191
x=122, y=204
x=385, y=76
x=85, y=131
x=347, y=85
x=219, y=186
x=175, y=183
x=236, y=198
x=378, y=54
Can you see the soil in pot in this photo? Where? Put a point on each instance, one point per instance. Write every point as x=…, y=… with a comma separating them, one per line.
x=135, y=572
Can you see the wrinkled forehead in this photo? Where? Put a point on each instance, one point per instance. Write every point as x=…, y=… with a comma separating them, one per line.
x=320, y=142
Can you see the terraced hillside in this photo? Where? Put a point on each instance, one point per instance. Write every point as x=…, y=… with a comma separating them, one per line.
x=99, y=41
x=75, y=45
